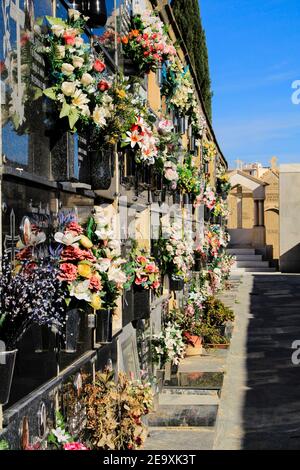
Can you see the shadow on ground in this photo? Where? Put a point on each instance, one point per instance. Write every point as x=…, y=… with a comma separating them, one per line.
x=272, y=406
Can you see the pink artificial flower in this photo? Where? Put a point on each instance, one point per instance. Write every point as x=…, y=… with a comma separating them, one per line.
x=190, y=311
x=151, y=268
x=95, y=283
x=75, y=228
x=68, y=272
x=155, y=285
x=142, y=259
x=99, y=66
x=75, y=446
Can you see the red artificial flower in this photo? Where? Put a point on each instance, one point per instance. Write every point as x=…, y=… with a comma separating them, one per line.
x=69, y=39
x=142, y=259
x=155, y=285
x=99, y=66
x=75, y=446
x=24, y=254
x=146, y=54
x=134, y=128
x=68, y=272
x=103, y=85
x=151, y=268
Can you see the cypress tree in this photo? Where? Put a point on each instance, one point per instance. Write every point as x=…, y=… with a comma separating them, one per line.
x=187, y=15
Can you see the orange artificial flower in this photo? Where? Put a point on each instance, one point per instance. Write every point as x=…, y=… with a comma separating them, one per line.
x=135, y=33
x=125, y=40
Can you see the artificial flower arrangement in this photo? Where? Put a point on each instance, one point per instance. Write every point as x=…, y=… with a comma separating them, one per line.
x=79, y=81
x=169, y=152
x=221, y=209
x=110, y=265
x=189, y=178
x=60, y=439
x=175, y=251
x=178, y=88
x=78, y=268
x=30, y=294
x=141, y=138
x=114, y=411
x=209, y=151
x=206, y=196
x=168, y=345
x=147, y=44
x=223, y=184
x=142, y=271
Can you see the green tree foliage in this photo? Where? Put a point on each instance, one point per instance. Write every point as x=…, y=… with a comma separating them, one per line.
x=187, y=15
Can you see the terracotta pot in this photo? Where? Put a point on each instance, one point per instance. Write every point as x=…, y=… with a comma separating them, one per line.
x=194, y=348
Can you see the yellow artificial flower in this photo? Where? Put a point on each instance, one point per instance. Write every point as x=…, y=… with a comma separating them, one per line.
x=96, y=301
x=86, y=242
x=85, y=270
x=121, y=93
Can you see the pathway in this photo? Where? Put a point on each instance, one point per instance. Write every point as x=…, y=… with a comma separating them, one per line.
x=260, y=402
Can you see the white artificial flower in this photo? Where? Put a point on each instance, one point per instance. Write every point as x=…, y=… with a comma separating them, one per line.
x=66, y=238
x=61, y=435
x=117, y=275
x=103, y=265
x=58, y=30
x=67, y=69
x=80, y=99
x=81, y=290
x=99, y=116
x=61, y=51
x=86, y=79
x=68, y=88
x=77, y=62
x=79, y=41
x=74, y=14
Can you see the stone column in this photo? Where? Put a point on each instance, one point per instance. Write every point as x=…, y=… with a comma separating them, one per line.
x=261, y=214
x=256, y=213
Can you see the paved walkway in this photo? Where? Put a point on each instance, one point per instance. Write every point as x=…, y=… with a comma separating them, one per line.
x=260, y=403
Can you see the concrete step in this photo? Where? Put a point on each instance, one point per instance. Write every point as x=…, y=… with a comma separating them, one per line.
x=248, y=257
x=260, y=270
x=241, y=251
x=185, y=409
x=250, y=264
x=183, y=438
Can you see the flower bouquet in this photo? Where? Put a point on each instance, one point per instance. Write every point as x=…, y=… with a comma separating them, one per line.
x=143, y=274
x=147, y=44
x=168, y=346
x=79, y=85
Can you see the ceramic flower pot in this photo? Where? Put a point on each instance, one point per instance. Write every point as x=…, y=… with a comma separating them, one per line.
x=176, y=283
x=104, y=326
x=194, y=348
x=7, y=365
x=142, y=304
x=69, y=343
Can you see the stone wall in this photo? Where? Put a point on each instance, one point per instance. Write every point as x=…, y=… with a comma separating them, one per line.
x=290, y=218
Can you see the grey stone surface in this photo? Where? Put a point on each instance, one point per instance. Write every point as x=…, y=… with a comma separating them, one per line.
x=169, y=438
x=289, y=218
x=260, y=401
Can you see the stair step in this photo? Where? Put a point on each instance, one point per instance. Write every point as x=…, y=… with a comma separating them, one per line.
x=248, y=257
x=183, y=438
x=250, y=264
x=241, y=251
x=260, y=270
x=185, y=409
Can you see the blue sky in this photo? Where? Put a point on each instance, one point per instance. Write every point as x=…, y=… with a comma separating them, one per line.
x=254, y=54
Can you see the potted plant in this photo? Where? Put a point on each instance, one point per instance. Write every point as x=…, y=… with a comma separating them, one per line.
x=143, y=274
x=215, y=317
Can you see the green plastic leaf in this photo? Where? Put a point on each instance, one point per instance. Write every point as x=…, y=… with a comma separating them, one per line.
x=50, y=93
x=55, y=21
x=65, y=110
x=73, y=117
